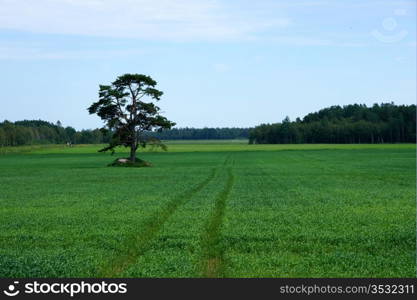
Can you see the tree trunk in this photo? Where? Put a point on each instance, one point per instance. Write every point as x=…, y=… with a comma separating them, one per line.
x=133, y=146
x=133, y=153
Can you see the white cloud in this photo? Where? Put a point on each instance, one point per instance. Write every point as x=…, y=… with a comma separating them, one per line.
x=219, y=67
x=400, y=59
x=149, y=19
x=412, y=44
x=34, y=51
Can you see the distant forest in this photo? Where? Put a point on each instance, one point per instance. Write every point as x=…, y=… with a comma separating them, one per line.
x=357, y=123
x=202, y=134
x=29, y=132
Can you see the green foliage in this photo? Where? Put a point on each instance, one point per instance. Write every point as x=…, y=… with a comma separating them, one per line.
x=32, y=132
x=385, y=123
x=202, y=134
x=211, y=210
x=36, y=132
x=126, y=115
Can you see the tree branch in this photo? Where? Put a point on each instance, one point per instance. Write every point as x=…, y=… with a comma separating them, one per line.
x=122, y=115
x=133, y=110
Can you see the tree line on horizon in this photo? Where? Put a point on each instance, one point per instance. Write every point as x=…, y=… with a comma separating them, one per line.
x=189, y=133
x=31, y=132
x=355, y=123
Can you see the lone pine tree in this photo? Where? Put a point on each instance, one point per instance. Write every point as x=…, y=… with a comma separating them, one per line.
x=121, y=105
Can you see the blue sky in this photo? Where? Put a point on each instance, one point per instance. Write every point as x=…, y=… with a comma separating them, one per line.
x=219, y=62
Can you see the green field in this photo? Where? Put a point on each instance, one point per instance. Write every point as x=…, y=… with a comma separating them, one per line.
x=210, y=210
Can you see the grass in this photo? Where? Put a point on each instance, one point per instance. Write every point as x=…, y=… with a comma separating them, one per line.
x=207, y=142
x=209, y=210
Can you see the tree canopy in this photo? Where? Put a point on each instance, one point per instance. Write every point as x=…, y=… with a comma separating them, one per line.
x=121, y=105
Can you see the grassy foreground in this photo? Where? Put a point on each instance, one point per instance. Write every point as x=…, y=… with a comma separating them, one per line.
x=210, y=210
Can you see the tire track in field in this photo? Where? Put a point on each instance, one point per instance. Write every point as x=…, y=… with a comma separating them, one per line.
x=212, y=261
x=136, y=245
